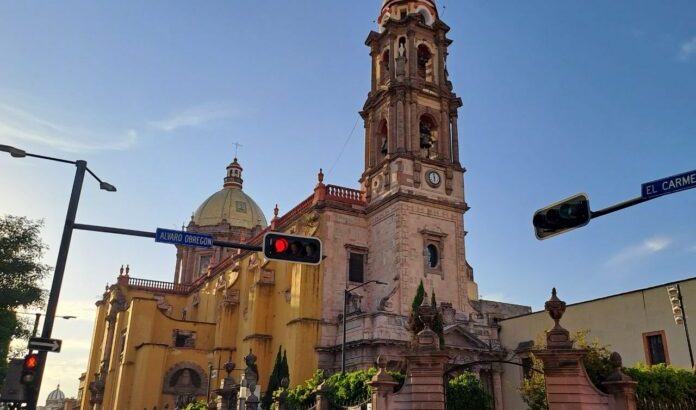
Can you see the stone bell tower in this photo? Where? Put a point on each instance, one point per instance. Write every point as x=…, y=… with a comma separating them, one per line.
x=413, y=179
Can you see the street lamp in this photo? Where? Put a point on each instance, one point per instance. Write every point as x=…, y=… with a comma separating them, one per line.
x=62, y=251
x=346, y=293
x=38, y=317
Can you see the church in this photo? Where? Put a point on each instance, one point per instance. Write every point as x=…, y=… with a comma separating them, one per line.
x=155, y=341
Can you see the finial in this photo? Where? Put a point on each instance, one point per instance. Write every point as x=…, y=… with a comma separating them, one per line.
x=275, y=211
x=127, y=269
x=321, y=176
x=120, y=272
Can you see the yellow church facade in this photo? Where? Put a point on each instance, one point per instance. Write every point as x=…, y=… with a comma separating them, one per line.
x=155, y=341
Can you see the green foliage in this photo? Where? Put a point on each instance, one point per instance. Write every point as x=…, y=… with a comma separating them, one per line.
x=659, y=382
x=533, y=389
x=21, y=272
x=439, y=323
x=663, y=383
x=199, y=405
x=347, y=387
x=273, y=381
x=415, y=324
x=465, y=392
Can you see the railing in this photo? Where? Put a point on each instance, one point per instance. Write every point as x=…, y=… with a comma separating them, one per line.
x=646, y=403
x=343, y=194
x=359, y=403
x=159, y=286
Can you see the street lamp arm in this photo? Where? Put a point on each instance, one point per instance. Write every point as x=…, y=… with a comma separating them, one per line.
x=366, y=283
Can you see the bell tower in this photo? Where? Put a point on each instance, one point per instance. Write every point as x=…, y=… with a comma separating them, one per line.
x=413, y=180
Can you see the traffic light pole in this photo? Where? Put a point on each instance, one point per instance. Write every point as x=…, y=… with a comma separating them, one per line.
x=617, y=207
x=686, y=326
x=58, y=275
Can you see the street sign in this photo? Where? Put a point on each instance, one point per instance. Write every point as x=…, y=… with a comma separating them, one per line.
x=46, y=345
x=183, y=238
x=668, y=185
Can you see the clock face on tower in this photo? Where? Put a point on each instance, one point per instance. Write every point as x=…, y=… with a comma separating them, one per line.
x=433, y=178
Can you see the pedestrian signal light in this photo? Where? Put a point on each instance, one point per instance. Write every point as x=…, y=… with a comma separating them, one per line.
x=563, y=216
x=292, y=248
x=674, y=294
x=29, y=369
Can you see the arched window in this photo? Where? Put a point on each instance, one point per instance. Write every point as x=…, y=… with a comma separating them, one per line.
x=428, y=137
x=425, y=63
x=383, y=138
x=384, y=66
x=433, y=256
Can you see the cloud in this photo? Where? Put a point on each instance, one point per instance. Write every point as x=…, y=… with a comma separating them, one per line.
x=630, y=253
x=194, y=116
x=18, y=124
x=687, y=49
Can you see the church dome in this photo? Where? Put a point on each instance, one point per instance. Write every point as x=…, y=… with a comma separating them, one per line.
x=230, y=204
x=56, y=395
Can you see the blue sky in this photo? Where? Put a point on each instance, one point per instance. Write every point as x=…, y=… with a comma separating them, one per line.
x=559, y=98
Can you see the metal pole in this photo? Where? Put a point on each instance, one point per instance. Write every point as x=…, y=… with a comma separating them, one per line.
x=36, y=324
x=210, y=380
x=58, y=275
x=343, y=345
x=686, y=327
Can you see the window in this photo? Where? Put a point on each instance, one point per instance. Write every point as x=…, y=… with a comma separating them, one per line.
x=241, y=206
x=184, y=338
x=357, y=262
x=655, y=345
x=356, y=267
x=433, y=246
x=433, y=256
x=425, y=63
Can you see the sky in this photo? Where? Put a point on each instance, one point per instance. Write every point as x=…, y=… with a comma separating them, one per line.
x=559, y=98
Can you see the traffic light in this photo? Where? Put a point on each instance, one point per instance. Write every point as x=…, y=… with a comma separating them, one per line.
x=675, y=300
x=29, y=369
x=562, y=216
x=292, y=248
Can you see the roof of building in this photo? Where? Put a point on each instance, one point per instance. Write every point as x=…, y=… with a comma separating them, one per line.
x=56, y=395
x=609, y=297
x=230, y=204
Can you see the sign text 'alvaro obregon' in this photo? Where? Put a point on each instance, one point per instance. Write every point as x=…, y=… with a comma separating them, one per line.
x=183, y=238
x=669, y=185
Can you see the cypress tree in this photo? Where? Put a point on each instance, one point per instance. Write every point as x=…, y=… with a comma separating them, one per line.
x=285, y=369
x=414, y=322
x=438, y=323
x=273, y=382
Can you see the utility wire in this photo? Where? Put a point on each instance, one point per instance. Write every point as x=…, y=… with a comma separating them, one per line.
x=345, y=144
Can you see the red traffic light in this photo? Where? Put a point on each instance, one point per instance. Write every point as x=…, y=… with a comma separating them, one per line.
x=31, y=361
x=280, y=245
x=292, y=248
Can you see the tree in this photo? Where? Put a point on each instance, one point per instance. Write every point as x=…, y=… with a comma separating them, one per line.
x=465, y=392
x=438, y=323
x=414, y=322
x=273, y=381
x=284, y=368
x=21, y=272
